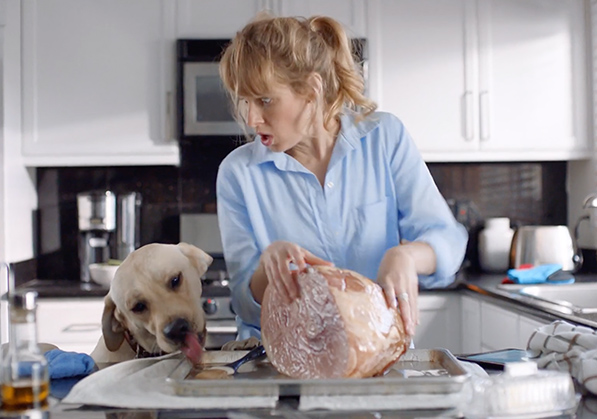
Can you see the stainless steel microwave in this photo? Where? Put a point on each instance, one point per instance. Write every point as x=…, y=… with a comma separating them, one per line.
x=203, y=106
x=206, y=106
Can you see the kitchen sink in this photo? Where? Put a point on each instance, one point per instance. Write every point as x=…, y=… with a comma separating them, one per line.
x=578, y=297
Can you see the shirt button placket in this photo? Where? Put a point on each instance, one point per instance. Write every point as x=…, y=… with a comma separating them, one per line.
x=318, y=197
x=333, y=225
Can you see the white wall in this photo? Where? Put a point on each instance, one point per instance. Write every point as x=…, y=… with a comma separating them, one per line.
x=2, y=23
x=582, y=175
x=17, y=187
x=3, y=282
x=18, y=197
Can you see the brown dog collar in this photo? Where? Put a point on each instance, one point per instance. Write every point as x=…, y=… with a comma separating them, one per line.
x=138, y=349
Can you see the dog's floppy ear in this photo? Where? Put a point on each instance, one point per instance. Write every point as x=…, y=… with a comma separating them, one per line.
x=198, y=257
x=112, y=329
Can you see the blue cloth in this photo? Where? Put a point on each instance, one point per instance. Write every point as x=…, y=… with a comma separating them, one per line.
x=63, y=364
x=537, y=275
x=377, y=191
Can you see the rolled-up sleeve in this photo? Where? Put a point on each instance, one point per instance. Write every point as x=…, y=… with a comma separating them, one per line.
x=423, y=213
x=238, y=241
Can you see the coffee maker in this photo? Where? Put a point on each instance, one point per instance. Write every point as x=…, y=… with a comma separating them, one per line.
x=97, y=225
x=128, y=228
x=109, y=227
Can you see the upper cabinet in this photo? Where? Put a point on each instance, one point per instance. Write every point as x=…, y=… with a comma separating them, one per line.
x=97, y=81
x=484, y=79
x=473, y=80
x=223, y=18
x=351, y=13
x=213, y=19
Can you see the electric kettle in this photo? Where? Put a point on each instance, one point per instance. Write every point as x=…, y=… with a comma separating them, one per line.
x=590, y=204
x=538, y=245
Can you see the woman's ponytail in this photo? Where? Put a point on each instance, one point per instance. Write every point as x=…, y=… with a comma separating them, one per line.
x=345, y=84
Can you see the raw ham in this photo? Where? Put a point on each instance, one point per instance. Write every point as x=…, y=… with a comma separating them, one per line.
x=340, y=326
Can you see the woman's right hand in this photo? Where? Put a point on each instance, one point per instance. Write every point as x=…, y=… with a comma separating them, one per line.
x=276, y=259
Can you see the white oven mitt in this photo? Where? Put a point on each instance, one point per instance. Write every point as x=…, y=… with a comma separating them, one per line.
x=565, y=347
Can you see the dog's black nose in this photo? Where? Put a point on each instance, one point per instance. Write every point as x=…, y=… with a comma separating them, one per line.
x=177, y=329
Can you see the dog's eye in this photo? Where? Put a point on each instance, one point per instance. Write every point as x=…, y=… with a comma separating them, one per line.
x=139, y=308
x=175, y=282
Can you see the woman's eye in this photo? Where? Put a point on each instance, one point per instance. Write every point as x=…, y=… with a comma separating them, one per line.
x=139, y=308
x=266, y=100
x=175, y=282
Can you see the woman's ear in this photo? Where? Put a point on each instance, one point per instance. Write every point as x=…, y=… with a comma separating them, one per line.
x=316, y=83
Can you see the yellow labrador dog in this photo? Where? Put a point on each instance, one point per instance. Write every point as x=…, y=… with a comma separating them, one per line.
x=154, y=304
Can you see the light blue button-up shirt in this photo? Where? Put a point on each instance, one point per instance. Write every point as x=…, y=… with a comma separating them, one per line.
x=377, y=191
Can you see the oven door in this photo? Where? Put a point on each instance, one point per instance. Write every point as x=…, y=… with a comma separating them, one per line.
x=219, y=332
x=206, y=106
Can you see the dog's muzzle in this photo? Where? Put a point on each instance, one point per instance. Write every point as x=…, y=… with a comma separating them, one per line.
x=178, y=329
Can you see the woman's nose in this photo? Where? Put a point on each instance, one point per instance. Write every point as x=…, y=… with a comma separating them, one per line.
x=254, y=116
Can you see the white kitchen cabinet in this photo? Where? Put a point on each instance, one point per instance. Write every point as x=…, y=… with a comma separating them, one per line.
x=488, y=326
x=223, y=18
x=499, y=327
x=484, y=79
x=70, y=324
x=439, y=321
x=527, y=326
x=351, y=13
x=213, y=19
x=471, y=324
x=98, y=82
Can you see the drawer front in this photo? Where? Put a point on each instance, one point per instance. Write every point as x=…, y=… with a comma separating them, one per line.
x=70, y=325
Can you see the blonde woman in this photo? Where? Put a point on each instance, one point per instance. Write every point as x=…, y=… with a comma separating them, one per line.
x=326, y=180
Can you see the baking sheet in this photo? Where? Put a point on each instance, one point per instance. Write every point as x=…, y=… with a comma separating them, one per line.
x=419, y=371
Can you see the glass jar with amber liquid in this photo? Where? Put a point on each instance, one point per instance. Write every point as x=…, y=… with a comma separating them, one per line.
x=25, y=380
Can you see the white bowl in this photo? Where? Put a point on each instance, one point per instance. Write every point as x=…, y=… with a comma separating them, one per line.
x=102, y=273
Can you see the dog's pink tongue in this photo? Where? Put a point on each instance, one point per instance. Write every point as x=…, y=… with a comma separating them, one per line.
x=192, y=348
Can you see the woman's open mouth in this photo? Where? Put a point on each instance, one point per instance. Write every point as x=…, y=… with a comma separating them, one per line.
x=266, y=139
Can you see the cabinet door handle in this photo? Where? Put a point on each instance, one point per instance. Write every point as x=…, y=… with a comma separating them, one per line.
x=484, y=113
x=469, y=131
x=82, y=327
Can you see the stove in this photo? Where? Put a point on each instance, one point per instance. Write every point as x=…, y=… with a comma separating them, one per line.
x=216, y=302
x=201, y=230
x=216, y=295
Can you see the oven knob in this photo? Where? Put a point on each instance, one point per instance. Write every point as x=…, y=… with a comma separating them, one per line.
x=210, y=306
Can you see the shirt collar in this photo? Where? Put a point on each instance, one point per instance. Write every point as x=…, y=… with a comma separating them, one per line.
x=349, y=137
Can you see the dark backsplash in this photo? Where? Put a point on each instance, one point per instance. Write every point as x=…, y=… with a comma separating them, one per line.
x=527, y=193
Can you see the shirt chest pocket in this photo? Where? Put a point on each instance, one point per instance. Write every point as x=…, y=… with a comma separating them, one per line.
x=372, y=234
x=371, y=219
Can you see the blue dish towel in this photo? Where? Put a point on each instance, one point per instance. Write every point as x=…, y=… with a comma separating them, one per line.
x=537, y=275
x=63, y=364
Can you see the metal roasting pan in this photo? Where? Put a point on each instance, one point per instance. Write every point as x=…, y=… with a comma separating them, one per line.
x=433, y=372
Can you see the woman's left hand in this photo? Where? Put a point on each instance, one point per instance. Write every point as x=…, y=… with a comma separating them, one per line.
x=398, y=277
